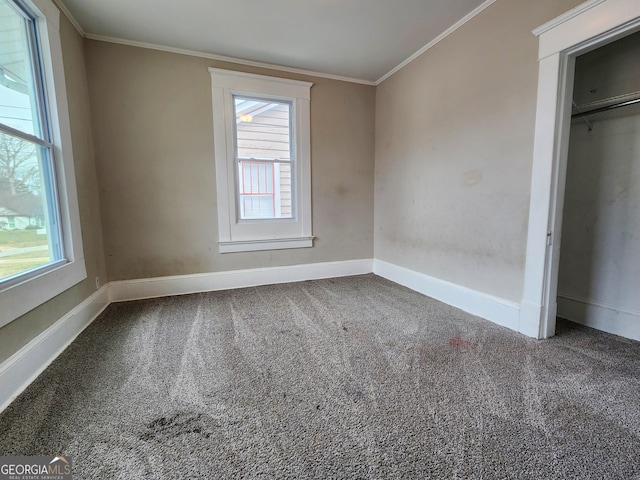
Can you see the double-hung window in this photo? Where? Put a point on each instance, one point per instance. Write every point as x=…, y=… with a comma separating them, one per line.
x=262, y=150
x=40, y=246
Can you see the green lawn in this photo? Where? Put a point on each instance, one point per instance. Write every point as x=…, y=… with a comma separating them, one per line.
x=16, y=239
x=21, y=238
x=24, y=261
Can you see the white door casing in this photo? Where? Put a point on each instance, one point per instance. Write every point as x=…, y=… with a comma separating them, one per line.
x=584, y=28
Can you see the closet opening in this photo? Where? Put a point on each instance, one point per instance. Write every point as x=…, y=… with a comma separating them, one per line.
x=599, y=259
x=583, y=29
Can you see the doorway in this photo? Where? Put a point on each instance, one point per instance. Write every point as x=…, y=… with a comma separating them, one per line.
x=599, y=257
x=585, y=28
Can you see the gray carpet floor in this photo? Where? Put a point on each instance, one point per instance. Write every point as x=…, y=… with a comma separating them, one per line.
x=344, y=378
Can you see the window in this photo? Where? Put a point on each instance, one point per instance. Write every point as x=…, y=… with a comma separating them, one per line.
x=263, y=158
x=40, y=247
x=27, y=185
x=262, y=149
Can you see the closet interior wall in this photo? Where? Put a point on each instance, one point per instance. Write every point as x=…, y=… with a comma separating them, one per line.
x=599, y=277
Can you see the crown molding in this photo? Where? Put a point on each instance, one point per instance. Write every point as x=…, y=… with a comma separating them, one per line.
x=222, y=58
x=438, y=39
x=565, y=17
x=63, y=8
x=282, y=68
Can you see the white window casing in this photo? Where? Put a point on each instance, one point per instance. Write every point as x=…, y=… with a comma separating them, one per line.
x=237, y=235
x=26, y=293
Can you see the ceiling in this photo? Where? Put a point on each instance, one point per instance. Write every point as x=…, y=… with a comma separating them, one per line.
x=358, y=39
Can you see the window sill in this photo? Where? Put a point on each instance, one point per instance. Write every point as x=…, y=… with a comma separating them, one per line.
x=23, y=297
x=272, y=244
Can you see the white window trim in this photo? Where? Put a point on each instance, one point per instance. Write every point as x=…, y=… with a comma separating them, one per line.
x=248, y=235
x=18, y=299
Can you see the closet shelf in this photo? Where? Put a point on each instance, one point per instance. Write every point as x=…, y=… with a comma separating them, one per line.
x=606, y=105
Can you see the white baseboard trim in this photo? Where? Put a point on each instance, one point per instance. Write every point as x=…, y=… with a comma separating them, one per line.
x=24, y=366
x=207, y=282
x=494, y=309
x=531, y=322
x=17, y=372
x=601, y=316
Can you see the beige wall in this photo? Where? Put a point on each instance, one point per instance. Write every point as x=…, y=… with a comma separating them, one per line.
x=454, y=145
x=19, y=332
x=152, y=123
x=451, y=133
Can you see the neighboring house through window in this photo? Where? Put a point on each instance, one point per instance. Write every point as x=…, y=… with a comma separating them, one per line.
x=263, y=164
x=40, y=245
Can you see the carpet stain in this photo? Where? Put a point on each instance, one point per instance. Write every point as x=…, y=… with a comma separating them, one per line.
x=182, y=423
x=354, y=391
x=459, y=343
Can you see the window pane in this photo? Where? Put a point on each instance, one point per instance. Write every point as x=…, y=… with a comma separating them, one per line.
x=257, y=192
x=18, y=101
x=262, y=129
x=263, y=152
x=27, y=239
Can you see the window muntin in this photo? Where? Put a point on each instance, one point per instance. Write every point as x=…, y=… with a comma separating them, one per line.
x=30, y=236
x=264, y=157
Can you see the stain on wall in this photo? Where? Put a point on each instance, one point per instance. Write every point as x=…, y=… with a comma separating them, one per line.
x=454, y=150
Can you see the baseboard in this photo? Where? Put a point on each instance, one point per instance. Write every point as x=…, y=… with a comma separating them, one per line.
x=600, y=316
x=206, y=282
x=531, y=321
x=494, y=309
x=24, y=366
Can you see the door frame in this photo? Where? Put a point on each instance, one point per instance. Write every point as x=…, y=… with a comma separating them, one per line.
x=582, y=29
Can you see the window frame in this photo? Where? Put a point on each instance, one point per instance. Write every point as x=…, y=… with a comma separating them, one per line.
x=30, y=290
x=237, y=235
x=275, y=164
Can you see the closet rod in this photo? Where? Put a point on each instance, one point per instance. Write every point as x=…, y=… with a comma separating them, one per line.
x=607, y=108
